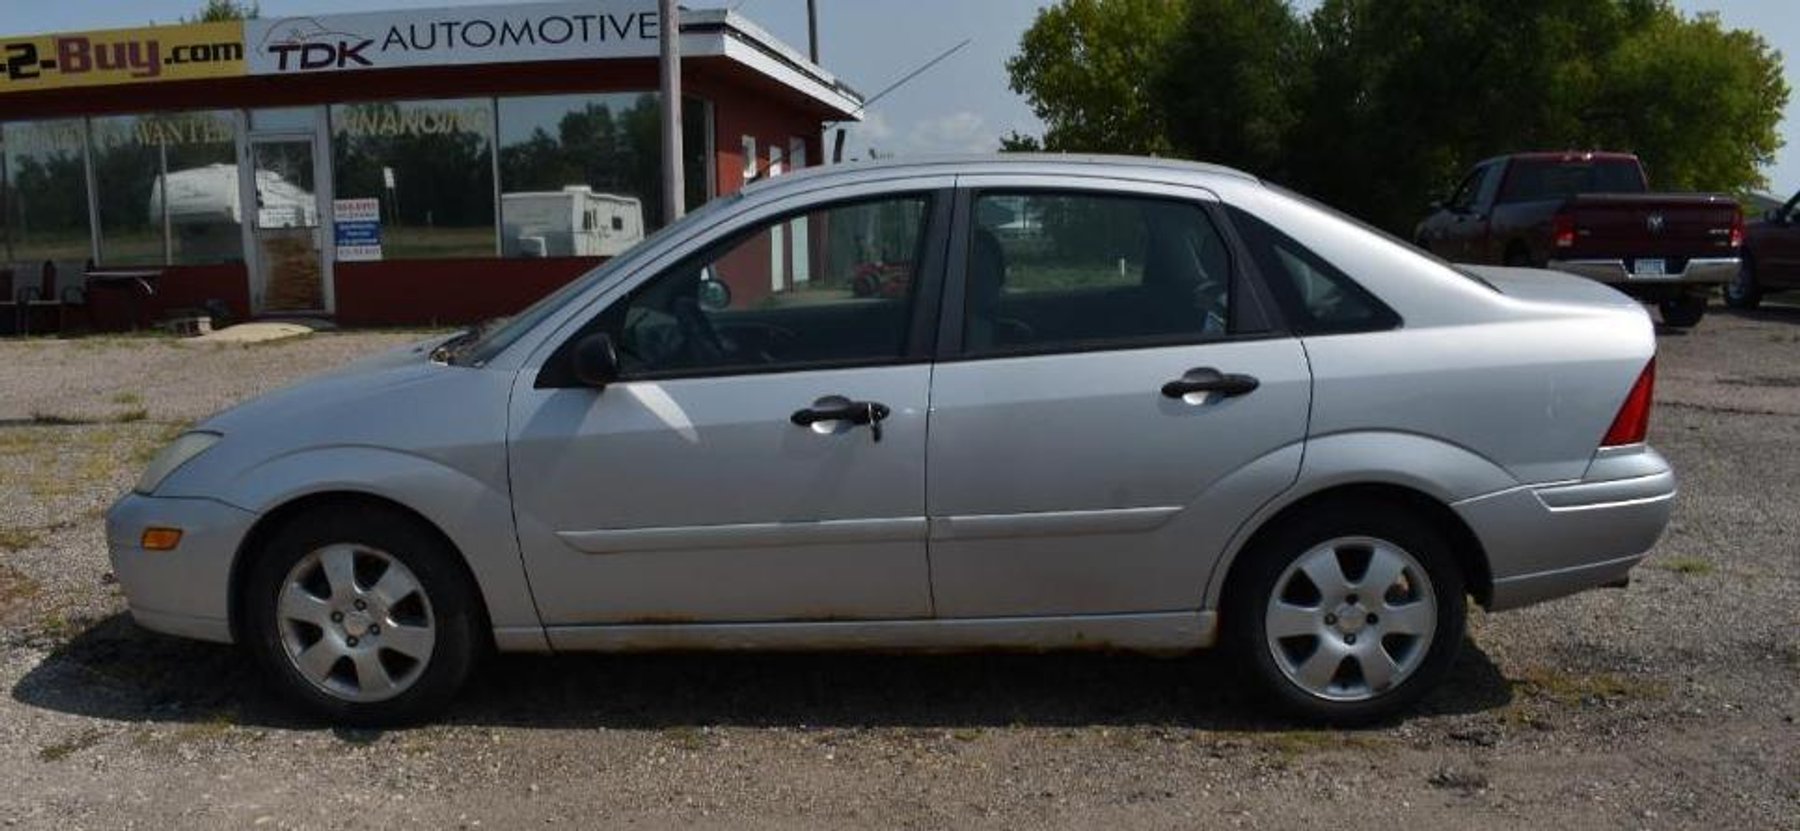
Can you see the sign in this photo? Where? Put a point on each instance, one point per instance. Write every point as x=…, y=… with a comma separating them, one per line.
x=356, y=228
x=453, y=36
x=122, y=56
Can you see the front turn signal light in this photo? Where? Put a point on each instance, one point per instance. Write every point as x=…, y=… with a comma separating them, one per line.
x=160, y=539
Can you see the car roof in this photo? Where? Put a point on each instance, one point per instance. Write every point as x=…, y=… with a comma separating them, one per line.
x=1562, y=155
x=976, y=164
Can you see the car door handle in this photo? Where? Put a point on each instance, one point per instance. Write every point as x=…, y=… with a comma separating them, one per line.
x=1207, y=379
x=839, y=408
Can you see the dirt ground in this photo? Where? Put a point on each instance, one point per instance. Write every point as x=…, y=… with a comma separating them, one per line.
x=1672, y=703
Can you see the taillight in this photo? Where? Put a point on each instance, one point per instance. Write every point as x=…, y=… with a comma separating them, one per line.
x=1562, y=230
x=1632, y=424
x=1737, y=229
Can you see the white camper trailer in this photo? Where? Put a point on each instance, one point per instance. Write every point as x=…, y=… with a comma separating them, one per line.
x=572, y=222
x=205, y=211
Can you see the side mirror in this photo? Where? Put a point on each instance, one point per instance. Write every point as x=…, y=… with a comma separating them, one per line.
x=714, y=295
x=595, y=361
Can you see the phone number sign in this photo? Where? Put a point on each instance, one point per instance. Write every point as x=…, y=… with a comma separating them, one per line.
x=122, y=56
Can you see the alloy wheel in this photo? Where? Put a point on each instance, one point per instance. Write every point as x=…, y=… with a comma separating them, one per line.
x=1351, y=619
x=356, y=623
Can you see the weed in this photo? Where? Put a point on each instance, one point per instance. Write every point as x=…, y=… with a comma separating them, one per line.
x=15, y=587
x=61, y=750
x=685, y=737
x=129, y=416
x=127, y=399
x=1568, y=688
x=18, y=539
x=1688, y=565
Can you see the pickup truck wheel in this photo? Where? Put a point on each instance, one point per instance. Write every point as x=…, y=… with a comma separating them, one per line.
x=1743, y=292
x=1684, y=311
x=1349, y=614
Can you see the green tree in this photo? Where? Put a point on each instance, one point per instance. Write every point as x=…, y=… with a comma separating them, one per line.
x=1234, y=74
x=1087, y=68
x=218, y=11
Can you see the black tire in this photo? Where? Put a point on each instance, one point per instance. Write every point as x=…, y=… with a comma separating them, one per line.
x=1743, y=292
x=1252, y=592
x=1518, y=257
x=449, y=602
x=1682, y=312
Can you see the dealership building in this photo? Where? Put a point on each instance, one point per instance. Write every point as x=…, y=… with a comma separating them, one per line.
x=386, y=168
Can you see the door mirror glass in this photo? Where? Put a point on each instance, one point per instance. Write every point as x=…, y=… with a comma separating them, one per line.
x=596, y=361
x=715, y=295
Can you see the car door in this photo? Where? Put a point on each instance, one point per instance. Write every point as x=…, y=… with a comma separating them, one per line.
x=1778, y=251
x=761, y=457
x=1446, y=234
x=1110, y=403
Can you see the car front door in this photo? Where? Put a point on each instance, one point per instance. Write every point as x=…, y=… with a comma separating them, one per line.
x=1110, y=402
x=761, y=455
x=1778, y=252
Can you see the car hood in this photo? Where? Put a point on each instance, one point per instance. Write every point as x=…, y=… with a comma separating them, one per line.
x=359, y=380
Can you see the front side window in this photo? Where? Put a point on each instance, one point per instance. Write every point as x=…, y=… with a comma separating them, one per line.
x=830, y=287
x=1057, y=271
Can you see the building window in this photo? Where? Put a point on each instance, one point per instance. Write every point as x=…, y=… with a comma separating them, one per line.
x=167, y=188
x=564, y=155
x=44, y=186
x=430, y=166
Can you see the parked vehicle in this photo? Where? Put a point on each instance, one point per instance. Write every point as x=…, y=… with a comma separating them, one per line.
x=1771, y=257
x=572, y=222
x=1591, y=214
x=1199, y=411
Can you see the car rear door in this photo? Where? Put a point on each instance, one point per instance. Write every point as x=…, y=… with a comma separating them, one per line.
x=762, y=456
x=1110, y=403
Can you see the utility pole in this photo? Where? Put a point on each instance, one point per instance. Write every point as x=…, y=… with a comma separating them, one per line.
x=674, y=188
x=812, y=30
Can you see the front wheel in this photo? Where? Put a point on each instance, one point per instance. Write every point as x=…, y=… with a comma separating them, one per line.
x=361, y=616
x=1743, y=292
x=1684, y=311
x=1349, y=614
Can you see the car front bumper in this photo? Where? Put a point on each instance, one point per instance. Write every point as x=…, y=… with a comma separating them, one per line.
x=1699, y=271
x=185, y=591
x=1548, y=541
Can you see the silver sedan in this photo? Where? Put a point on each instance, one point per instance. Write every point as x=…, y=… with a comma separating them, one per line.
x=1014, y=402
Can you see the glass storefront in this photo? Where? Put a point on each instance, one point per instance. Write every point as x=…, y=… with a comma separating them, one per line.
x=429, y=165
x=44, y=182
x=166, y=188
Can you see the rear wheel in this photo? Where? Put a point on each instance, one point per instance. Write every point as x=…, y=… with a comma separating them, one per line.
x=1683, y=311
x=1349, y=614
x=361, y=616
x=1743, y=292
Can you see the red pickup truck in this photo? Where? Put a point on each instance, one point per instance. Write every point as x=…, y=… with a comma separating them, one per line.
x=1592, y=214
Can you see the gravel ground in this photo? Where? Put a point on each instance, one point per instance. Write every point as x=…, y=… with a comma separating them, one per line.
x=1669, y=704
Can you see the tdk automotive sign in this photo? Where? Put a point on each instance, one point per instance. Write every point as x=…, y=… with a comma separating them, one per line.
x=436, y=37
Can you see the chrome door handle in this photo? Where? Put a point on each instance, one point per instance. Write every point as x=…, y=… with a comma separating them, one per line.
x=1207, y=379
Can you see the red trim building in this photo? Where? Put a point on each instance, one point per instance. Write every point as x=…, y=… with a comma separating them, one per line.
x=414, y=182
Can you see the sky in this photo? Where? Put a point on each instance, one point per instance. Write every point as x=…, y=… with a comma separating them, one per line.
x=962, y=104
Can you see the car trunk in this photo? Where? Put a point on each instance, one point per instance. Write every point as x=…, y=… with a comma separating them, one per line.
x=1673, y=228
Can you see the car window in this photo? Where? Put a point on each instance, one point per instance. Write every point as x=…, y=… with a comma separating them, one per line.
x=1490, y=182
x=1464, y=196
x=1056, y=270
x=1316, y=297
x=831, y=286
x=1539, y=179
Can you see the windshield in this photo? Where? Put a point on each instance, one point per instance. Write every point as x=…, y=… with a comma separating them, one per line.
x=493, y=337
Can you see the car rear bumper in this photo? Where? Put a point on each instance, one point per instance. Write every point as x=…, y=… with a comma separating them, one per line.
x=186, y=591
x=1705, y=271
x=1549, y=541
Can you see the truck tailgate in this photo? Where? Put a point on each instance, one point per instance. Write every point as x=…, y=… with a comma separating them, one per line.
x=1670, y=226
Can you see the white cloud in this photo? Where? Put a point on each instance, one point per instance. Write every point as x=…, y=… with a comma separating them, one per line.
x=958, y=132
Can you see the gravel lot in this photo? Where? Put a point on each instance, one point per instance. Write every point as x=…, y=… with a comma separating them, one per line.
x=1669, y=704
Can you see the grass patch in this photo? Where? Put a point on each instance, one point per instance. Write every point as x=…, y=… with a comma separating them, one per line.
x=686, y=737
x=15, y=587
x=1570, y=688
x=1696, y=566
x=18, y=539
x=127, y=399
x=61, y=750
x=131, y=416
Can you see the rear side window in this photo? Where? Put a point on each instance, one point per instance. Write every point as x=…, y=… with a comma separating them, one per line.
x=1071, y=271
x=1314, y=295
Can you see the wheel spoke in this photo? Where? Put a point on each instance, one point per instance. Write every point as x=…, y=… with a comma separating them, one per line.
x=317, y=660
x=371, y=677
x=1378, y=668
x=339, y=562
x=1326, y=573
x=1286, y=620
x=394, y=586
x=1416, y=618
x=1385, y=567
x=414, y=642
x=1318, y=669
x=299, y=604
